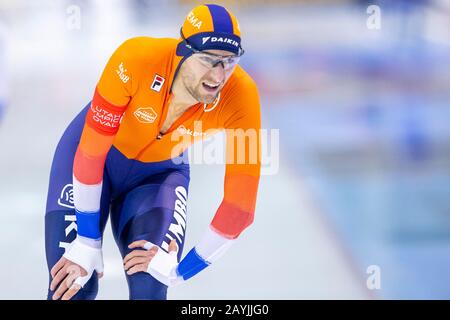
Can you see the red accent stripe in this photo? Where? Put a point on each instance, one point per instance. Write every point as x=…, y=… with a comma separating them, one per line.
x=88, y=169
x=103, y=116
x=230, y=221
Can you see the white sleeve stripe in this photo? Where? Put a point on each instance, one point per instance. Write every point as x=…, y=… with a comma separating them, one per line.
x=86, y=197
x=212, y=245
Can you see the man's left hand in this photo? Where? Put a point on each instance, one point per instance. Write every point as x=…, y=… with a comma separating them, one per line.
x=153, y=260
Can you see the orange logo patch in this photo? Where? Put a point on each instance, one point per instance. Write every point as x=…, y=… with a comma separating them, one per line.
x=145, y=115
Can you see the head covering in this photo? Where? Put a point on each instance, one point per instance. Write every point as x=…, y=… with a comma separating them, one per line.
x=210, y=27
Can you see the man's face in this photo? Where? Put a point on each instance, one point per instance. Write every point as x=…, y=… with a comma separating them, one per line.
x=202, y=82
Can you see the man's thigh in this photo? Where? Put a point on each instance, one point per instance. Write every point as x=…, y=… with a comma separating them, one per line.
x=156, y=212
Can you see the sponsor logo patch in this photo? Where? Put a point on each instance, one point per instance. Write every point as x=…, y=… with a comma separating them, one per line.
x=220, y=39
x=66, y=197
x=205, y=39
x=185, y=131
x=177, y=227
x=157, y=83
x=105, y=118
x=145, y=115
x=121, y=71
x=196, y=23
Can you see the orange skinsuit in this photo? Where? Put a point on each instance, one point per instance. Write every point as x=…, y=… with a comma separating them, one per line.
x=125, y=87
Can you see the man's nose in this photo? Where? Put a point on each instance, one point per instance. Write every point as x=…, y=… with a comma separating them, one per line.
x=218, y=72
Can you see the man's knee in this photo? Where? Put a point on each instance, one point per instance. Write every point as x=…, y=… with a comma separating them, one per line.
x=143, y=286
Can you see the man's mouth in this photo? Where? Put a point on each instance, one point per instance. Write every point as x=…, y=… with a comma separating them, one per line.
x=210, y=86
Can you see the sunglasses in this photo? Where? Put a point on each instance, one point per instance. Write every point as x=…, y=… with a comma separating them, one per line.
x=211, y=60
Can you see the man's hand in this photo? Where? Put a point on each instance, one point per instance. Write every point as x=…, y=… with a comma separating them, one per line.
x=138, y=260
x=164, y=264
x=75, y=268
x=70, y=278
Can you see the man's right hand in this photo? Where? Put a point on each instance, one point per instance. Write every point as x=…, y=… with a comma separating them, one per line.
x=75, y=269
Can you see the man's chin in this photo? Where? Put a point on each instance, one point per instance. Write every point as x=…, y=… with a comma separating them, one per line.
x=208, y=98
x=202, y=96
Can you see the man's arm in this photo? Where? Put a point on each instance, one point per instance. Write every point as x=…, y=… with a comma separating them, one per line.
x=236, y=211
x=111, y=97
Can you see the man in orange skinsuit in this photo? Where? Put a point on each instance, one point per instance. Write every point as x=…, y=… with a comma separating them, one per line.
x=121, y=157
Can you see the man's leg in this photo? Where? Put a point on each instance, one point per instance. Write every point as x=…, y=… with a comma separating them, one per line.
x=156, y=212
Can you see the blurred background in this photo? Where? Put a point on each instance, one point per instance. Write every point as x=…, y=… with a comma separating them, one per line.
x=359, y=207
